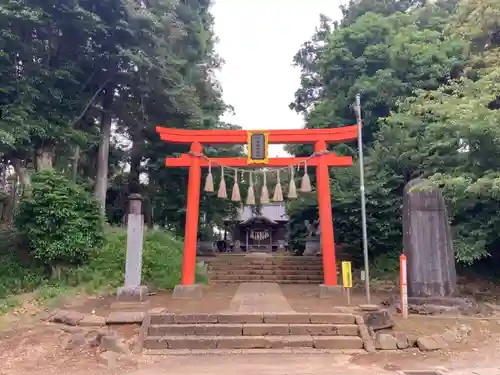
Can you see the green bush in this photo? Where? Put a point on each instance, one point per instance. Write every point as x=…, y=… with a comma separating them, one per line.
x=386, y=266
x=16, y=275
x=59, y=221
x=15, y=278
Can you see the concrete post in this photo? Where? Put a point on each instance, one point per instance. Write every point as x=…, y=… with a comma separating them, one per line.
x=133, y=290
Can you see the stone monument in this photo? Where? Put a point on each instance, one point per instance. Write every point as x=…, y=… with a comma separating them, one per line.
x=427, y=242
x=133, y=288
x=313, y=239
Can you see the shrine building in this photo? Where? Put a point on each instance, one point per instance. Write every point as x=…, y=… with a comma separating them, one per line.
x=259, y=228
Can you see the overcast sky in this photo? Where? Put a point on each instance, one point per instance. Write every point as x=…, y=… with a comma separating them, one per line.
x=258, y=39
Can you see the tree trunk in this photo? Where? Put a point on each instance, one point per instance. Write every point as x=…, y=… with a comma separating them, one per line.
x=10, y=205
x=4, y=217
x=74, y=163
x=4, y=193
x=134, y=174
x=135, y=163
x=22, y=172
x=45, y=158
x=24, y=179
x=55, y=272
x=101, y=185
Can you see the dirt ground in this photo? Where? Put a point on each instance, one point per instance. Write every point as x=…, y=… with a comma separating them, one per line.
x=480, y=345
x=484, y=337
x=215, y=298
x=32, y=347
x=304, y=298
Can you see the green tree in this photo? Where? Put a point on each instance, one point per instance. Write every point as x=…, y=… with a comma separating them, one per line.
x=85, y=83
x=450, y=135
x=384, y=50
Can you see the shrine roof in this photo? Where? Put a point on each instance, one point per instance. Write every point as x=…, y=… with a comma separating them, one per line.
x=258, y=219
x=272, y=212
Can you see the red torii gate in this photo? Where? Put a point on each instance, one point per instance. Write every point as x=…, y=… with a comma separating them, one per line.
x=318, y=137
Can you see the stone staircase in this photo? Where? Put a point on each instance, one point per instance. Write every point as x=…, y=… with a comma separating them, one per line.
x=166, y=332
x=272, y=269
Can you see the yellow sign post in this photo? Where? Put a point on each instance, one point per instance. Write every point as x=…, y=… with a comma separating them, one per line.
x=347, y=279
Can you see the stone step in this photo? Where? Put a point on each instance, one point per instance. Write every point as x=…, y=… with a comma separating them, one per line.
x=252, y=342
x=265, y=259
x=247, y=257
x=257, y=262
x=267, y=267
x=260, y=329
x=266, y=280
x=230, y=271
x=275, y=351
x=281, y=276
x=238, y=281
x=244, y=276
x=253, y=318
x=264, y=262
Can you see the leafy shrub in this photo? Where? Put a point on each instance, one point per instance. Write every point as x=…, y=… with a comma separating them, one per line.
x=59, y=221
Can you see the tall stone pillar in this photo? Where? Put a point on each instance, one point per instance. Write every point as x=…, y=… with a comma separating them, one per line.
x=133, y=289
x=428, y=242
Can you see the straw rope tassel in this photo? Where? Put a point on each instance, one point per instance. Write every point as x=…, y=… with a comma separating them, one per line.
x=250, y=194
x=209, y=182
x=292, y=188
x=278, y=190
x=222, y=193
x=236, y=196
x=305, y=184
x=264, y=195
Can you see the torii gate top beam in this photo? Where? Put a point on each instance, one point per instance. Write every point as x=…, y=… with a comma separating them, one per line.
x=290, y=136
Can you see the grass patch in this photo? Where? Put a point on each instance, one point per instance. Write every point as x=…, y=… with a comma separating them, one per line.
x=16, y=278
x=386, y=266
x=161, y=262
x=8, y=303
x=103, y=273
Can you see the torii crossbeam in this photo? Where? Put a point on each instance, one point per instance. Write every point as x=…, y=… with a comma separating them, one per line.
x=320, y=138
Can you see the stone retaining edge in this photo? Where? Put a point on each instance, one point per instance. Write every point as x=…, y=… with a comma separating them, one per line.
x=368, y=343
x=215, y=352
x=254, y=318
x=139, y=347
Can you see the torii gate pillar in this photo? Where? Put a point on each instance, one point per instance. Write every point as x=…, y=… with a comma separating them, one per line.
x=330, y=287
x=188, y=289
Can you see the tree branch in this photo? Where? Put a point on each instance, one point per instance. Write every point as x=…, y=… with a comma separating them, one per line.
x=90, y=102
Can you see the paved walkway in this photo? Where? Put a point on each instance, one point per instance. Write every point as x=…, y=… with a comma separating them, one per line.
x=259, y=297
x=285, y=364
x=272, y=364
x=261, y=364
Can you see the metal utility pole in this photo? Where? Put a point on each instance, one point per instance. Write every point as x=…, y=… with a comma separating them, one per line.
x=359, y=120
